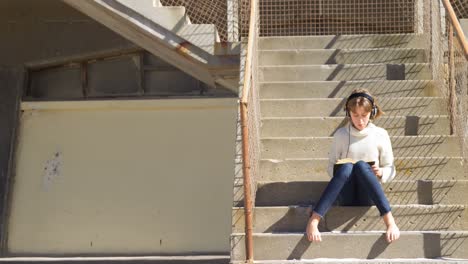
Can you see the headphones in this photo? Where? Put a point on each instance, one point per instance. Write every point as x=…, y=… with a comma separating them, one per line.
x=368, y=97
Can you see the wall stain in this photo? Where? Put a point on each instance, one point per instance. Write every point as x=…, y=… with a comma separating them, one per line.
x=52, y=169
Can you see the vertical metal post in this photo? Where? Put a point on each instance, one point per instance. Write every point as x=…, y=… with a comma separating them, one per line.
x=247, y=186
x=452, y=92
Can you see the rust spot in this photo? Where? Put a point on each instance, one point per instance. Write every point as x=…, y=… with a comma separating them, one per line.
x=182, y=48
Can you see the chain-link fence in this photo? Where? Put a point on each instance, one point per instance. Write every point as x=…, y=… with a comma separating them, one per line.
x=305, y=17
x=460, y=7
x=449, y=67
x=332, y=17
x=222, y=13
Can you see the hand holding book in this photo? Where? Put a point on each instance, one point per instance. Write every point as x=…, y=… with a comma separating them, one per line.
x=371, y=163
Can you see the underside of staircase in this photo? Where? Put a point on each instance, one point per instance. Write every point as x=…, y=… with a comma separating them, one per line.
x=303, y=83
x=168, y=33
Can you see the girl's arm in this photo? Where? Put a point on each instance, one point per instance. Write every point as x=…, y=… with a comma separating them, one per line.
x=386, y=158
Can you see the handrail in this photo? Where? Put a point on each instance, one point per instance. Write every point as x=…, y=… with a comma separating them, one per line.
x=456, y=24
x=245, y=136
x=248, y=60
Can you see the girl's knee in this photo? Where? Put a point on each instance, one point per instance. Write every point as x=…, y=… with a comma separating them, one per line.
x=362, y=165
x=344, y=171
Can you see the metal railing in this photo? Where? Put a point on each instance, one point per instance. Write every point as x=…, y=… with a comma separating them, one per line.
x=250, y=122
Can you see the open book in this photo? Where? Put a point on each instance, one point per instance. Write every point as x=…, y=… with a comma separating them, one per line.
x=348, y=160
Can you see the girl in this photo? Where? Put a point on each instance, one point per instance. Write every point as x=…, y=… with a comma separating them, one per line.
x=358, y=184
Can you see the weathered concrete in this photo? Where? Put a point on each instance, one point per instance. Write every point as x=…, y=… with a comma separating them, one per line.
x=302, y=106
x=343, y=42
x=464, y=25
x=359, y=261
x=363, y=245
x=397, y=192
x=93, y=178
x=336, y=56
x=345, y=72
x=418, y=168
x=348, y=218
x=175, y=19
x=405, y=146
x=323, y=107
x=342, y=89
x=160, y=41
x=326, y=126
x=45, y=30
x=121, y=260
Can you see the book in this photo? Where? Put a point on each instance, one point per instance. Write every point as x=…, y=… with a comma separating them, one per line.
x=340, y=162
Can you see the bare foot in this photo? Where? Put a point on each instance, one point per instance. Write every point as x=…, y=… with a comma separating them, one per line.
x=393, y=233
x=313, y=234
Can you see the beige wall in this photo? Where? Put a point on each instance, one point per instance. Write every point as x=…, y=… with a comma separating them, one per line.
x=124, y=177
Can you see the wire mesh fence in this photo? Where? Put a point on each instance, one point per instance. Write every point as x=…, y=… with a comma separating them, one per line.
x=211, y=12
x=449, y=67
x=332, y=17
x=305, y=17
x=460, y=7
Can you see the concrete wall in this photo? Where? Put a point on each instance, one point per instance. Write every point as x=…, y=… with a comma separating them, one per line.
x=43, y=30
x=151, y=180
x=124, y=177
x=464, y=25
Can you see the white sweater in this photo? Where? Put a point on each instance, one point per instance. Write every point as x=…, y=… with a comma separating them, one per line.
x=371, y=143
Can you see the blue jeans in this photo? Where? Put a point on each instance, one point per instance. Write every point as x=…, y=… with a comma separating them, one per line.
x=354, y=185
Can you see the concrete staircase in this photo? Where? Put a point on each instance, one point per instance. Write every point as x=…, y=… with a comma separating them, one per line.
x=167, y=32
x=304, y=82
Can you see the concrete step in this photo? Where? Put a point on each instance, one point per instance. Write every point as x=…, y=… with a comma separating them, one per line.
x=284, y=219
x=325, y=107
x=354, y=245
x=397, y=192
x=326, y=126
x=340, y=56
x=360, y=261
x=197, y=259
x=170, y=17
x=362, y=245
x=318, y=147
x=203, y=36
x=418, y=168
x=342, y=89
x=343, y=42
x=345, y=72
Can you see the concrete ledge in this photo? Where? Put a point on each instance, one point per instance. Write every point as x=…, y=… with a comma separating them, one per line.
x=334, y=107
x=363, y=245
x=326, y=126
x=318, y=147
x=345, y=72
x=360, y=261
x=418, y=168
x=343, y=42
x=337, y=56
x=120, y=260
x=342, y=89
x=398, y=192
x=351, y=218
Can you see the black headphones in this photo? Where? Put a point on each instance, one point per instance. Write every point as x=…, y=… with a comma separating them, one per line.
x=368, y=97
